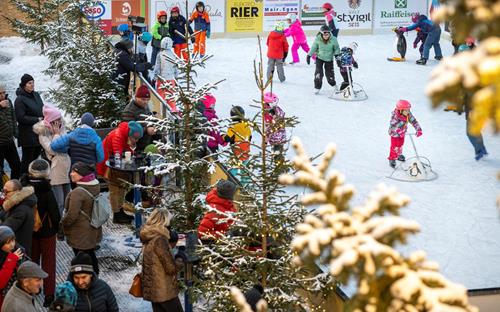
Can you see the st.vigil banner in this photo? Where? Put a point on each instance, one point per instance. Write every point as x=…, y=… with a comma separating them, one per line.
x=351, y=14
x=394, y=13
x=276, y=10
x=244, y=15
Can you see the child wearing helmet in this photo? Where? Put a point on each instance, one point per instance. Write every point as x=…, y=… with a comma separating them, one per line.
x=159, y=31
x=277, y=50
x=202, y=26
x=166, y=72
x=215, y=137
x=330, y=16
x=325, y=47
x=124, y=32
x=401, y=116
x=274, y=118
x=344, y=61
x=299, y=37
x=239, y=136
x=177, y=29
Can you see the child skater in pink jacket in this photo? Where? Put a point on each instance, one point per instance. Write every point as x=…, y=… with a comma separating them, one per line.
x=299, y=37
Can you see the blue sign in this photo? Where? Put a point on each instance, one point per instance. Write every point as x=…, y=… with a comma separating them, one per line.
x=95, y=12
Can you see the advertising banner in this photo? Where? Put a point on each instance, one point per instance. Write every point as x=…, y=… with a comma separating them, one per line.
x=394, y=13
x=215, y=9
x=244, y=15
x=351, y=14
x=276, y=10
x=121, y=9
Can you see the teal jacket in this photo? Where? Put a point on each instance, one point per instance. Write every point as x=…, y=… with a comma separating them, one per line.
x=159, y=31
x=325, y=51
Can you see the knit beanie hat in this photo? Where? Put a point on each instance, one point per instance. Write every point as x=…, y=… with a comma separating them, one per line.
x=135, y=130
x=39, y=168
x=81, y=263
x=25, y=79
x=87, y=119
x=142, y=92
x=83, y=169
x=50, y=114
x=6, y=234
x=279, y=26
x=64, y=296
x=226, y=189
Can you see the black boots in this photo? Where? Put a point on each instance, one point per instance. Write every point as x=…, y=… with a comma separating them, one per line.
x=422, y=61
x=121, y=217
x=439, y=58
x=401, y=158
x=392, y=163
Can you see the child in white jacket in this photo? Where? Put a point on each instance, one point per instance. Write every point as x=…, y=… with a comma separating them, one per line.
x=165, y=71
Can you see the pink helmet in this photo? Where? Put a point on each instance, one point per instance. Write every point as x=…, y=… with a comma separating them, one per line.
x=403, y=105
x=414, y=18
x=271, y=98
x=327, y=6
x=208, y=100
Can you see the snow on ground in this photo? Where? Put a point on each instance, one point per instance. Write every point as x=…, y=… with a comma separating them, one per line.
x=460, y=224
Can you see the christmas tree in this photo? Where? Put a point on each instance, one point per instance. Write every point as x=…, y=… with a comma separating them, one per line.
x=358, y=244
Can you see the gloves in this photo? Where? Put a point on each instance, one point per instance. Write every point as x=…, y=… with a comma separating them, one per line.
x=403, y=29
x=193, y=39
x=308, y=60
x=355, y=64
x=415, y=45
x=400, y=132
x=419, y=133
x=208, y=33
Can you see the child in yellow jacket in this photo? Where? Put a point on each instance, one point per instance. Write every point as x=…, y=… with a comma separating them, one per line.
x=239, y=136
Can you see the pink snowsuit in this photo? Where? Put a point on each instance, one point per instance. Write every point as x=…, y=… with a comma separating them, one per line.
x=397, y=131
x=275, y=129
x=216, y=138
x=299, y=39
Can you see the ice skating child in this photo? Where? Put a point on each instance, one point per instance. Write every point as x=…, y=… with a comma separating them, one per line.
x=159, y=31
x=277, y=50
x=124, y=32
x=177, y=29
x=216, y=138
x=299, y=37
x=344, y=61
x=202, y=26
x=274, y=119
x=326, y=48
x=421, y=36
x=401, y=116
x=433, y=33
x=239, y=135
x=330, y=16
x=168, y=71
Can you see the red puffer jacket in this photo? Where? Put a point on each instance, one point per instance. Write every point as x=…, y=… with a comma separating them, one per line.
x=276, y=45
x=211, y=225
x=115, y=142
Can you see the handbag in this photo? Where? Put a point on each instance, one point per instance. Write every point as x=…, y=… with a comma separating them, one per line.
x=136, y=288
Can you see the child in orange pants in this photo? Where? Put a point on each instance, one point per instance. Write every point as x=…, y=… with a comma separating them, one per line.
x=201, y=26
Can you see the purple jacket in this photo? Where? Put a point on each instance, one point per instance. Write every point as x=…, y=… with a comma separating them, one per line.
x=216, y=138
x=275, y=129
x=399, y=124
x=295, y=30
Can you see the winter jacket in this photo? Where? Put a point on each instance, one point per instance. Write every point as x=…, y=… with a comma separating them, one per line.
x=399, y=124
x=277, y=45
x=82, y=144
x=345, y=58
x=159, y=282
x=79, y=233
x=163, y=68
x=115, y=142
x=8, y=267
x=216, y=138
x=425, y=25
x=325, y=50
x=99, y=297
x=201, y=21
x=20, y=301
x=28, y=108
x=19, y=216
x=60, y=163
x=295, y=30
x=212, y=224
x=8, y=124
x=125, y=66
x=421, y=36
x=331, y=23
x=159, y=31
x=134, y=112
x=47, y=207
x=240, y=135
x=179, y=24
x=275, y=127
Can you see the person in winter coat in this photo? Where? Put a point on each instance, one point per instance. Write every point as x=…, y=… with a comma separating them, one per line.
x=202, y=26
x=28, y=106
x=80, y=234
x=126, y=64
x=10, y=258
x=18, y=212
x=277, y=50
x=330, y=16
x=48, y=130
x=239, y=135
x=136, y=110
x=326, y=48
x=82, y=144
x=93, y=293
x=209, y=113
x=401, y=116
x=141, y=56
x=274, y=118
x=176, y=27
x=433, y=32
x=344, y=61
x=65, y=298
x=159, y=31
x=159, y=274
x=8, y=132
x=44, y=239
x=22, y=296
x=299, y=37
x=121, y=139
x=165, y=71
x=215, y=224
x=124, y=32
x=421, y=36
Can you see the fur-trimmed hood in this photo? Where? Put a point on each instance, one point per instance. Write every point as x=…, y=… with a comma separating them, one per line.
x=27, y=194
x=40, y=129
x=150, y=232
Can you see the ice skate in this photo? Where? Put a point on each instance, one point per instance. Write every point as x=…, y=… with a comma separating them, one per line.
x=316, y=91
x=401, y=158
x=422, y=61
x=439, y=58
x=392, y=163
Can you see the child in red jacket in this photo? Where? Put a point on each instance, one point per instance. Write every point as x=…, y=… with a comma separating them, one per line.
x=9, y=260
x=277, y=50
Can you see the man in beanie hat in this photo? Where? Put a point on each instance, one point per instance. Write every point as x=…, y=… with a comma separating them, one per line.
x=8, y=131
x=93, y=293
x=21, y=297
x=118, y=141
x=82, y=144
x=29, y=111
x=216, y=224
x=137, y=110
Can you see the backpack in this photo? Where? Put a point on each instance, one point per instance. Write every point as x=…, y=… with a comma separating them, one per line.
x=100, y=211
